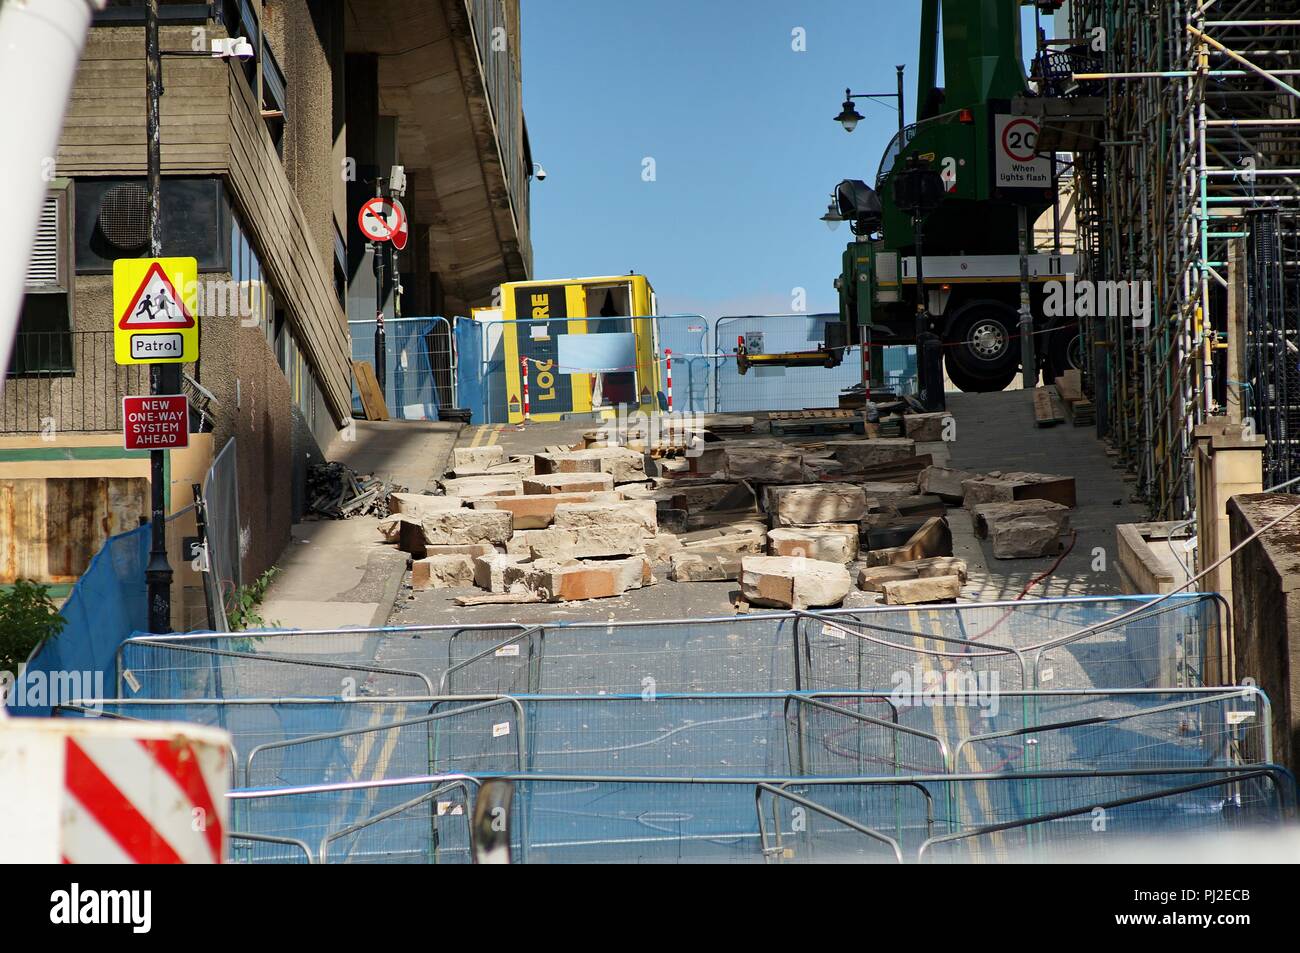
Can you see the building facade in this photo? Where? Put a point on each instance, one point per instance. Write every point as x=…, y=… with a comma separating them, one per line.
x=266, y=162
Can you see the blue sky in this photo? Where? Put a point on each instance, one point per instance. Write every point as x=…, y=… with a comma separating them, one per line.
x=740, y=129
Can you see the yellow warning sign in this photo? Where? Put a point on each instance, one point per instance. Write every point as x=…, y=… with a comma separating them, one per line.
x=155, y=301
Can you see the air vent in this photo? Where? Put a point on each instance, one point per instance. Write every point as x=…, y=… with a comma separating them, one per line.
x=43, y=271
x=124, y=216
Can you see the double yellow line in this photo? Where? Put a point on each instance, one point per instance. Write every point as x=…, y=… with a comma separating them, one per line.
x=489, y=431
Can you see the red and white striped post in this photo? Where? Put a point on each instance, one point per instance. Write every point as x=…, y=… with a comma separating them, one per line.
x=668, y=354
x=523, y=361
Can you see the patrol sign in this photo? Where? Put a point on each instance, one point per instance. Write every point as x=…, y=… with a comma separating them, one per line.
x=154, y=305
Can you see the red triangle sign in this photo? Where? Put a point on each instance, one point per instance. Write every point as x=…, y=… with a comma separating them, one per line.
x=155, y=305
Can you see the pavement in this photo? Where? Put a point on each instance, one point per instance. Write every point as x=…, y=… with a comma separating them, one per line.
x=338, y=573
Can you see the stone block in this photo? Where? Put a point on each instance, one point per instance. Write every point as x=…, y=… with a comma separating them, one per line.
x=946, y=483
x=491, y=571
x=928, y=428
x=624, y=465
x=705, y=567
x=856, y=454
x=537, y=511
x=584, y=515
x=415, y=505
x=763, y=465
x=819, y=503
x=614, y=539
x=568, y=483
x=457, y=527
x=442, y=572
x=829, y=542
x=477, y=458
x=909, y=592
x=484, y=486
x=793, y=582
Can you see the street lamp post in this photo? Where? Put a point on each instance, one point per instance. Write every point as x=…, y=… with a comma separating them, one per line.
x=849, y=116
x=918, y=190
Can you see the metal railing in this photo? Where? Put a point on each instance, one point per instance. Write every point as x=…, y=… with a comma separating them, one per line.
x=420, y=365
x=67, y=382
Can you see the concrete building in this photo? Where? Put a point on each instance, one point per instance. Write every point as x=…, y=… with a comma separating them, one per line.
x=266, y=162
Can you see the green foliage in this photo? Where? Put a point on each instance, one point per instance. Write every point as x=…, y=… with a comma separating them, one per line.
x=27, y=618
x=241, y=609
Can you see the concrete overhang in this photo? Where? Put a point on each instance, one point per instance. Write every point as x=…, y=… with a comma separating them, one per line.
x=431, y=79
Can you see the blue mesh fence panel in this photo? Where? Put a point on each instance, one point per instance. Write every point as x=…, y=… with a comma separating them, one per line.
x=419, y=363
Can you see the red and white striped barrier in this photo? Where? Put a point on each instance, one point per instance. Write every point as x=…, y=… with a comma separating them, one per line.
x=668, y=355
x=80, y=791
x=524, y=364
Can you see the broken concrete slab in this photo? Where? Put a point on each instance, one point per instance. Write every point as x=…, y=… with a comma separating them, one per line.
x=483, y=486
x=1026, y=529
x=871, y=452
x=946, y=483
x=705, y=567
x=551, y=483
x=537, y=511
x=929, y=428
x=490, y=572
x=582, y=516
x=910, y=592
x=477, y=458
x=820, y=503
x=457, y=527
x=792, y=582
x=763, y=465
x=442, y=572
x=829, y=542
x=1018, y=485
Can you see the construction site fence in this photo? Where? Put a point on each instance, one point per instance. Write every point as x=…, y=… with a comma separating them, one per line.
x=631, y=367
x=419, y=365
x=279, y=742
x=582, y=818
x=1109, y=642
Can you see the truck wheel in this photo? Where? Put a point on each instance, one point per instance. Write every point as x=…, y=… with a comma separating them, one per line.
x=981, y=352
x=1064, y=351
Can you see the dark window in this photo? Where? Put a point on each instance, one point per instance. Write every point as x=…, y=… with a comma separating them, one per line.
x=112, y=221
x=43, y=345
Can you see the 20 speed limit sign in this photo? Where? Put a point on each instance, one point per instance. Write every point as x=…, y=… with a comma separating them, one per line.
x=1018, y=164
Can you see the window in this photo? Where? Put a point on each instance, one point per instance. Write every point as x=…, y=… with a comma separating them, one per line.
x=44, y=342
x=112, y=221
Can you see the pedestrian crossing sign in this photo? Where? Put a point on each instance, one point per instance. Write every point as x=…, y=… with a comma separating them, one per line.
x=154, y=305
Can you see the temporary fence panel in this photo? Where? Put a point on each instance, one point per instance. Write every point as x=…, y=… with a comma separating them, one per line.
x=420, y=364
x=224, y=576
x=779, y=388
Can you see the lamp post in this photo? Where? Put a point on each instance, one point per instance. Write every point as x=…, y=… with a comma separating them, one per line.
x=918, y=190
x=849, y=116
x=163, y=378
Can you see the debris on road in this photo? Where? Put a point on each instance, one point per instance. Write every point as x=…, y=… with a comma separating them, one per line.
x=336, y=491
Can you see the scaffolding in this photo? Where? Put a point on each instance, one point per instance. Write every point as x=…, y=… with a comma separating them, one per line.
x=1201, y=128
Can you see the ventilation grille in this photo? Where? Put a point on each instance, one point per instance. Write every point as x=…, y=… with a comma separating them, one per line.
x=43, y=272
x=124, y=216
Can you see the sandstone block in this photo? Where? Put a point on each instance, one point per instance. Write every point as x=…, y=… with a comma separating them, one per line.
x=793, y=582
x=705, y=567
x=477, y=458
x=856, y=454
x=820, y=503
x=584, y=515
x=458, y=527
x=490, y=571
x=908, y=592
x=829, y=542
x=763, y=465
x=537, y=511
x=613, y=539
x=568, y=483
x=927, y=428
x=484, y=486
x=946, y=483
x=415, y=505
x=442, y=572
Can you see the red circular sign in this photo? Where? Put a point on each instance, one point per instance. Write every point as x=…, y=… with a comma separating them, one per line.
x=379, y=219
x=1020, y=140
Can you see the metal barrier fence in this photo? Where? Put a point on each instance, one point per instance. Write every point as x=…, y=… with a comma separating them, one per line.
x=579, y=818
x=66, y=381
x=420, y=364
x=315, y=741
x=1003, y=646
x=224, y=575
x=629, y=365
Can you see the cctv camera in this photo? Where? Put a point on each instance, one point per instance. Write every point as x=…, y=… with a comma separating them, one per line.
x=235, y=47
x=539, y=172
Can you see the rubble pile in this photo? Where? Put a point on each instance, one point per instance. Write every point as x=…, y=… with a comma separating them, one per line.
x=336, y=491
x=806, y=523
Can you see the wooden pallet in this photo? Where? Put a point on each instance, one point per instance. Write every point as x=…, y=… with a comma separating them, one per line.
x=1048, y=411
x=1069, y=388
x=821, y=422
